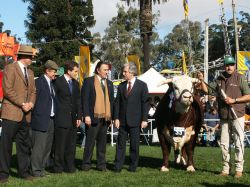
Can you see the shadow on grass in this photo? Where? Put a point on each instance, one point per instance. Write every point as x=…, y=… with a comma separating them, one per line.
x=226, y=184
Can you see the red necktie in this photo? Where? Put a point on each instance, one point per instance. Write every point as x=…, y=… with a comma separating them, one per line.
x=129, y=88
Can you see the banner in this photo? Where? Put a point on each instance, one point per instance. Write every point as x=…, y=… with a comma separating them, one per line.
x=136, y=60
x=243, y=61
x=220, y=1
x=7, y=45
x=185, y=6
x=184, y=66
x=84, y=63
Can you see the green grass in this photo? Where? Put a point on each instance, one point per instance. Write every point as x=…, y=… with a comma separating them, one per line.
x=207, y=162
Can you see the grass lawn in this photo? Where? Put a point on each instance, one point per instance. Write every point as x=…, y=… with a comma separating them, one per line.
x=207, y=160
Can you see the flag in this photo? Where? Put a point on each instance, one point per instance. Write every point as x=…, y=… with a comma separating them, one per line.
x=184, y=66
x=220, y=1
x=84, y=63
x=185, y=6
x=243, y=61
x=3, y=42
x=77, y=59
x=136, y=60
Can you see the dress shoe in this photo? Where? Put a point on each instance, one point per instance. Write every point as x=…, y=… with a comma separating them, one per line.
x=84, y=168
x=132, y=170
x=29, y=178
x=238, y=174
x=223, y=174
x=117, y=170
x=3, y=180
x=102, y=169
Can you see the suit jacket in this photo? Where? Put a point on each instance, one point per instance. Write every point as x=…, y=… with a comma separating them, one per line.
x=16, y=92
x=68, y=106
x=89, y=97
x=132, y=109
x=42, y=109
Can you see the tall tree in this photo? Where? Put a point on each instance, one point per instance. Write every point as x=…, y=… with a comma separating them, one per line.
x=122, y=38
x=56, y=27
x=176, y=41
x=146, y=27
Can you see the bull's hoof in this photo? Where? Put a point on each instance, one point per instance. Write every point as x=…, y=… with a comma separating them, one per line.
x=190, y=168
x=164, y=169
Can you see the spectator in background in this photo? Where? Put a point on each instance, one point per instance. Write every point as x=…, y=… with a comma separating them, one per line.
x=211, y=127
x=19, y=98
x=97, y=103
x=42, y=121
x=131, y=115
x=67, y=119
x=211, y=103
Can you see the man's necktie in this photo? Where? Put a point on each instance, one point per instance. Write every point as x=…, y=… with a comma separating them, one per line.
x=70, y=86
x=25, y=75
x=52, y=90
x=129, y=88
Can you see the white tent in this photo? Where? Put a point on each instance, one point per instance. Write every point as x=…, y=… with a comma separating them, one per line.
x=153, y=78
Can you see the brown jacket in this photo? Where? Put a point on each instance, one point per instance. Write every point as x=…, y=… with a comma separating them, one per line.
x=16, y=92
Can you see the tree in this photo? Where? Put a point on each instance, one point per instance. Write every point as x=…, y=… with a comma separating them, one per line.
x=122, y=38
x=56, y=27
x=176, y=41
x=146, y=27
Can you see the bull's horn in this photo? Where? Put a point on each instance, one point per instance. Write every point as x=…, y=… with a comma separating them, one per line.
x=165, y=82
x=194, y=80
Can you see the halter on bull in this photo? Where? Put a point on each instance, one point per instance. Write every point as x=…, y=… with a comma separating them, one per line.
x=179, y=117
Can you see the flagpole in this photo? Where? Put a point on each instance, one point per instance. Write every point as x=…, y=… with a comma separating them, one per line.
x=235, y=31
x=206, y=51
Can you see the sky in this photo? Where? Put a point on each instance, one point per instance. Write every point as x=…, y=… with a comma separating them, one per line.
x=14, y=12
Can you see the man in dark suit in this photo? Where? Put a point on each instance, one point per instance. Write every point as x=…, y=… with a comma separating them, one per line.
x=19, y=98
x=67, y=119
x=97, y=101
x=130, y=114
x=42, y=121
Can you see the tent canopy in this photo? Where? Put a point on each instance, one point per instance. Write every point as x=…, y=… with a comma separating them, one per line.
x=153, y=78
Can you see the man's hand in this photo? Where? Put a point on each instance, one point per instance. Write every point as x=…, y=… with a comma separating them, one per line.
x=229, y=101
x=200, y=76
x=26, y=107
x=144, y=124
x=88, y=121
x=78, y=123
x=117, y=123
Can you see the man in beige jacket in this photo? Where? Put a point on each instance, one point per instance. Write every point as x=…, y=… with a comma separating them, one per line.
x=19, y=98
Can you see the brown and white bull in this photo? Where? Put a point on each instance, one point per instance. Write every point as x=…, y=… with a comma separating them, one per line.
x=178, y=119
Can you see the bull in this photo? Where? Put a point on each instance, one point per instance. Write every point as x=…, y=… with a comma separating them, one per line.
x=178, y=118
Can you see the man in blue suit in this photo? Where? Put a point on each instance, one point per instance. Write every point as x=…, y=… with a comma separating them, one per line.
x=42, y=122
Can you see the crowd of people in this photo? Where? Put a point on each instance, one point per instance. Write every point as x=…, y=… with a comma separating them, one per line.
x=43, y=115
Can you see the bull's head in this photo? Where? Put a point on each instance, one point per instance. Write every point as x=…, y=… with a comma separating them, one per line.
x=183, y=88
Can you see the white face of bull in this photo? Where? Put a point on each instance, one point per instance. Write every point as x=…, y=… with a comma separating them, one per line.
x=183, y=89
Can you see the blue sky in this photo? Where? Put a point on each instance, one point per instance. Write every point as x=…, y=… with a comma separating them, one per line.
x=14, y=12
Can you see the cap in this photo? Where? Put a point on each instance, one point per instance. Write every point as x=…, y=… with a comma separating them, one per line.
x=51, y=65
x=229, y=60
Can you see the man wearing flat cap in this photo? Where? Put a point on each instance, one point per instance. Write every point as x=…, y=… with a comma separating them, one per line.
x=42, y=121
x=19, y=98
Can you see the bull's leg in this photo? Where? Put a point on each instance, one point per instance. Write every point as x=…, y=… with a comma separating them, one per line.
x=183, y=156
x=190, y=153
x=165, y=147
